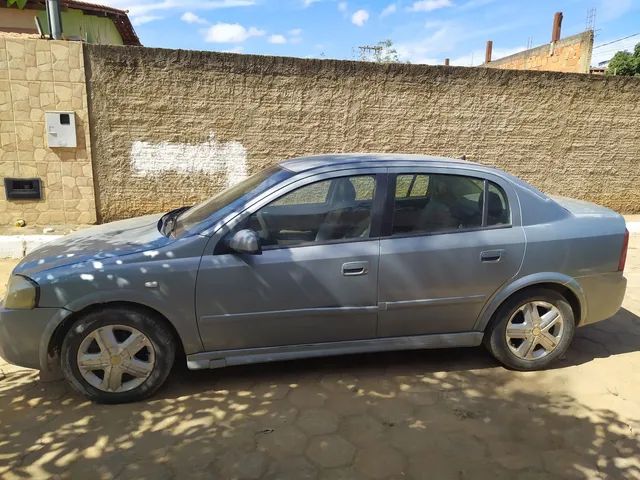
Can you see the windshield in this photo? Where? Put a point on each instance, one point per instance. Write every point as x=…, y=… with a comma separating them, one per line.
x=229, y=199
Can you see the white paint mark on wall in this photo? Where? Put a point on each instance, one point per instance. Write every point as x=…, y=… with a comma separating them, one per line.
x=210, y=158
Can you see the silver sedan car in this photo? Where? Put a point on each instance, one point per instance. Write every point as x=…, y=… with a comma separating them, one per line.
x=321, y=255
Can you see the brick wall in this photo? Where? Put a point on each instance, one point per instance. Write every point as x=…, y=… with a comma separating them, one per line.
x=172, y=127
x=38, y=76
x=569, y=55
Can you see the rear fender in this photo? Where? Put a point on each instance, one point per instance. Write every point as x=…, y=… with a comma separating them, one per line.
x=528, y=281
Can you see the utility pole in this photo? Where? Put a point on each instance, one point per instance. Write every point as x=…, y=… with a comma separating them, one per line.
x=591, y=19
x=367, y=50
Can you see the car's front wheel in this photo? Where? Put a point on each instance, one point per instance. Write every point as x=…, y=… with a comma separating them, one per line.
x=117, y=355
x=531, y=329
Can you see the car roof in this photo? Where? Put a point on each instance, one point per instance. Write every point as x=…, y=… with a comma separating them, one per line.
x=311, y=162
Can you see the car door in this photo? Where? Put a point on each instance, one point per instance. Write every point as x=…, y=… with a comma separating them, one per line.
x=447, y=247
x=316, y=278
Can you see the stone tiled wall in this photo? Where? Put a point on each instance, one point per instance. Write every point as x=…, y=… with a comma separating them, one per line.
x=38, y=76
x=173, y=127
x=571, y=55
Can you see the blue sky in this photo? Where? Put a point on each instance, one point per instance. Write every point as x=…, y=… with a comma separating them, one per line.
x=423, y=31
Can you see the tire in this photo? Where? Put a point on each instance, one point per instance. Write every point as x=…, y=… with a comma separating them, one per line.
x=518, y=353
x=117, y=345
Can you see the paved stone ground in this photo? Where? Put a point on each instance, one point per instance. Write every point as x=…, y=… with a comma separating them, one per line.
x=446, y=414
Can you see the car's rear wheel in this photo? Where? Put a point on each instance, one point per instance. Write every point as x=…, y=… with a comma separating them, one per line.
x=117, y=355
x=531, y=329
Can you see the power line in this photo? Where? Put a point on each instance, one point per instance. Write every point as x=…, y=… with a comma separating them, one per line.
x=615, y=41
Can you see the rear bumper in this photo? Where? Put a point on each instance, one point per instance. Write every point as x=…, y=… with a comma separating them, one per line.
x=25, y=335
x=604, y=294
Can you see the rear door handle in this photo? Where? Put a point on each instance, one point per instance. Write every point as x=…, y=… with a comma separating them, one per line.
x=491, y=256
x=351, y=269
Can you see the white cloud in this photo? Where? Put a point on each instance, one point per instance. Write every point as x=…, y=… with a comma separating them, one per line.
x=238, y=49
x=360, y=17
x=389, y=9
x=476, y=57
x=308, y=3
x=190, y=17
x=471, y=4
x=342, y=6
x=141, y=20
x=428, y=48
x=613, y=9
x=602, y=54
x=295, y=35
x=444, y=38
x=277, y=39
x=231, y=33
x=145, y=8
x=429, y=5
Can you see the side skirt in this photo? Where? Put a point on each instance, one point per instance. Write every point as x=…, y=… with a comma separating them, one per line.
x=224, y=358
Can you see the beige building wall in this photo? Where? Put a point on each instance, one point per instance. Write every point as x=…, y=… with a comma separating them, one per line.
x=15, y=20
x=569, y=55
x=38, y=76
x=170, y=128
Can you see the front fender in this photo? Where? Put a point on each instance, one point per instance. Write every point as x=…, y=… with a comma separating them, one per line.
x=49, y=368
x=518, y=284
x=153, y=299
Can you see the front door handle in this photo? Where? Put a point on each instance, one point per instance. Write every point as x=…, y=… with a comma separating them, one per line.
x=351, y=269
x=491, y=256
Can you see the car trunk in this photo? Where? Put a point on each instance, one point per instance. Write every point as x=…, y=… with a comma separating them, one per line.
x=581, y=208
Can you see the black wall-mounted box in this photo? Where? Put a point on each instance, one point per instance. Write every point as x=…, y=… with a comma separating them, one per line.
x=23, y=188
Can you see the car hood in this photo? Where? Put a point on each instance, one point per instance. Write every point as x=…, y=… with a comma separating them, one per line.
x=103, y=241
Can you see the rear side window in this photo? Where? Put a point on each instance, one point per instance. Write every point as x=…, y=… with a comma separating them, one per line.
x=431, y=203
x=497, y=206
x=412, y=185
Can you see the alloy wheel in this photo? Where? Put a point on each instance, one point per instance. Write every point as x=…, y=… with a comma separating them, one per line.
x=116, y=358
x=534, y=330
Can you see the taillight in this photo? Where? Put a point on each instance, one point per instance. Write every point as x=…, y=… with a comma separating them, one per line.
x=623, y=253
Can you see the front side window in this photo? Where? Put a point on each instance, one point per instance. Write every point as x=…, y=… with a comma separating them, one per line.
x=430, y=203
x=328, y=210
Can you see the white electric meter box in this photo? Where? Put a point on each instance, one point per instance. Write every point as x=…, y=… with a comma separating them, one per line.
x=61, y=129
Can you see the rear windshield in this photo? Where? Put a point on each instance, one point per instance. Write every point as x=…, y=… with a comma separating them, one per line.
x=228, y=200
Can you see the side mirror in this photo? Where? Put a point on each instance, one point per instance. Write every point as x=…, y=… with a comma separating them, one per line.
x=245, y=241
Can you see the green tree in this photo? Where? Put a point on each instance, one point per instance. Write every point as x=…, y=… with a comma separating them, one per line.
x=18, y=3
x=381, y=52
x=387, y=53
x=625, y=63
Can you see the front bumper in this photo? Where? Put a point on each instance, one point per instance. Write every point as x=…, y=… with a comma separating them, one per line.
x=25, y=334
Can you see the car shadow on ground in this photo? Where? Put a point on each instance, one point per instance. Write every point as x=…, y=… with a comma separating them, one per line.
x=420, y=414
x=617, y=335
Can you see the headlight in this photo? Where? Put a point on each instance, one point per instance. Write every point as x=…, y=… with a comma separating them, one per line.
x=22, y=292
